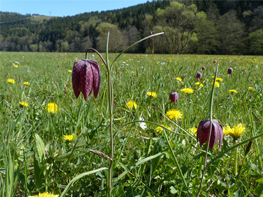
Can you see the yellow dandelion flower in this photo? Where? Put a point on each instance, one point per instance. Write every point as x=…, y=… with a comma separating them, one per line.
x=199, y=83
x=69, y=137
x=51, y=108
x=152, y=94
x=26, y=83
x=23, y=104
x=160, y=129
x=232, y=91
x=12, y=81
x=131, y=105
x=70, y=71
x=251, y=89
x=219, y=79
x=237, y=131
x=227, y=130
x=217, y=85
x=16, y=66
x=174, y=114
x=192, y=130
x=178, y=78
x=187, y=90
x=45, y=194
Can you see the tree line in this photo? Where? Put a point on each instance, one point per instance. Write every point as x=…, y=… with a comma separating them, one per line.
x=199, y=27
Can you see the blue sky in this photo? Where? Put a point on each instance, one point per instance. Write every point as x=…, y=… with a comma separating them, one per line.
x=64, y=7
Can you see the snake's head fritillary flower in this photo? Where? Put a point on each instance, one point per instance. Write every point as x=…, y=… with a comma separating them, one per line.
x=203, y=68
x=215, y=62
x=216, y=133
x=58, y=65
x=174, y=96
x=229, y=71
x=86, y=77
x=199, y=75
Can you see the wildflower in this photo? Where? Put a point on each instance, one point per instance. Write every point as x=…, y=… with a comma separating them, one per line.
x=23, y=104
x=229, y=71
x=160, y=129
x=203, y=68
x=85, y=77
x=192, y=130
x=187, y=90
x=70, y=71
x=199, y=83
x=217, y=85
x=216, y=133
x=69, y=137
x=218, y=79
x=178, y=78
x=215, y=62
x=45, y=194
x=58, y=65
x=174, y=114
x=237, y=131
x=142, y=124
x=251, y=89
x=199, y=75
x=26, y=83
x=174, y=96
x=12, y=81
x=227, y=130
x=232, y=91
x=16, y=65
x=152, y=94
x=51, y=108
x=131, y=105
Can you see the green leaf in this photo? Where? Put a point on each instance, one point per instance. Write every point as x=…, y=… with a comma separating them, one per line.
x=159, y=146
x=40, y=147
x=173, y=190
x=79, y=177
x=260, y=180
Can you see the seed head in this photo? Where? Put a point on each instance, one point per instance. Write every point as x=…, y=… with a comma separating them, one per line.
x=216, y=133
x=174, y=96
x=85, y=77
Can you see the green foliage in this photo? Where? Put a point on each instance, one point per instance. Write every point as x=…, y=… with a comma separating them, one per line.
x=39, y=159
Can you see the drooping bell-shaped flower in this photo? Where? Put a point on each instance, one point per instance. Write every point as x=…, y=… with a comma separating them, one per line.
x=86, y=77
x=215, y=62
x=229, y=71
x=216, y=133
x=199, y=75
x=174, y=96
x=203, y=68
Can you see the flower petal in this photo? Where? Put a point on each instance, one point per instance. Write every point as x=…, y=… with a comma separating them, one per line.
x=76, y=77
x=86, y=79
x=96, y=77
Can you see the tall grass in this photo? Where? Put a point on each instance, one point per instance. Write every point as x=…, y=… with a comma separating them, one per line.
x=36, y=158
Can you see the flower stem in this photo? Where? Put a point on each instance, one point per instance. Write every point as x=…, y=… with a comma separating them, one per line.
x=210, y=131
x=236, y=162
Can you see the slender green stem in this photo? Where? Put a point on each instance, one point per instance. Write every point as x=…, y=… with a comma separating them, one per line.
x=236, y=161
x=210, y=131
x=175, y=160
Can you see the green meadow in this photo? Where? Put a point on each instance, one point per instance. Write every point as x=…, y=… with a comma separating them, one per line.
x=46, y=149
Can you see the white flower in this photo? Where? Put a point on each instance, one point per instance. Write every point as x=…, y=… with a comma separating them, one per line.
x=142, y=124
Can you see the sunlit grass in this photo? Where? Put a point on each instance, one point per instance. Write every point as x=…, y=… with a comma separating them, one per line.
x=48, y=163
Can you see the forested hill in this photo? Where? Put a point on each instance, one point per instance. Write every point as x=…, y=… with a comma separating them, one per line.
x=203, y=26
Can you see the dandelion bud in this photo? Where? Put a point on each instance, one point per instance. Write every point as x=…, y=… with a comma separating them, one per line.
x=203, y=68
x=86, y=77
x=199, y=75
x=216, y=133
x=174, y=96
x=230, y=70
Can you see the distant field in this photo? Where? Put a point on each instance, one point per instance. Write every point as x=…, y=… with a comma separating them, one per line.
x=49, y=160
